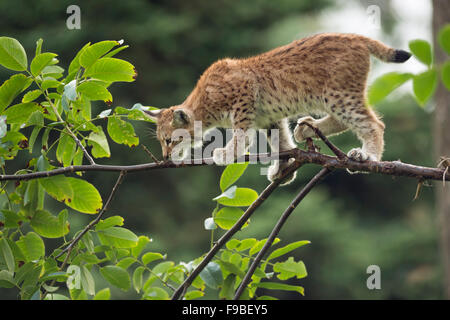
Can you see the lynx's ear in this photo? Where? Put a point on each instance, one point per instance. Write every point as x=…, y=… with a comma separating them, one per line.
x=180, y=118
x=153, y=114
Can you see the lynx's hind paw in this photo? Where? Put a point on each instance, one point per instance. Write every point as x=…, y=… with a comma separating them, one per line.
x=360, y=155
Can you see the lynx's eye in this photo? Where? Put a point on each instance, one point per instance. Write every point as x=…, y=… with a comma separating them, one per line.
x=168, y=141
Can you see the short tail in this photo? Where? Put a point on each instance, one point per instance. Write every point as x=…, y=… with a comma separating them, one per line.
x=385, y=53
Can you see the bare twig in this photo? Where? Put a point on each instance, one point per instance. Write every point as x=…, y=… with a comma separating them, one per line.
x=150, y=154
x=236, y=227
x=300, y=196
x=341, y=155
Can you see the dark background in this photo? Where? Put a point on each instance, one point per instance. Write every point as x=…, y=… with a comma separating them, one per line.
x=353, y=221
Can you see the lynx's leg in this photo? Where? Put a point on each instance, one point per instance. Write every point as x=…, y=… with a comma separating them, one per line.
x=327, y=125
x=363, y=121
x=280, y=142
x=237, y=146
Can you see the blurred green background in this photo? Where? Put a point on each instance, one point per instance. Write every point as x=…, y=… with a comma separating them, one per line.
x=353, y=221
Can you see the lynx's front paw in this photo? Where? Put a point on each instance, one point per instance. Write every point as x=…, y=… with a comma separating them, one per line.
x=220, y=157
x=301, y=131
x=360, y=155
x=275, y=171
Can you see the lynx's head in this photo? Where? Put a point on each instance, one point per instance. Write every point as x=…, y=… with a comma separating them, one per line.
x=174, y=127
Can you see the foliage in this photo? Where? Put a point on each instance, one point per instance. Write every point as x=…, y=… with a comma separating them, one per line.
x=58, y=103
x=425, y=82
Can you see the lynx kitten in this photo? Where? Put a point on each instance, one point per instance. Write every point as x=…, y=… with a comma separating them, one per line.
x=324, y=74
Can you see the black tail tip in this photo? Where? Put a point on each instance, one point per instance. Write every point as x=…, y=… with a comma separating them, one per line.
x=401, y=56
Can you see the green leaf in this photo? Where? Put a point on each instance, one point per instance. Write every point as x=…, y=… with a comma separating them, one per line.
x=151, y=256
x=233, y=243
x=243, y=197
x=111, y=70
x=286, y=249
x=109, y=222
x=228, y=216
x=11, y=89
x=385, y=84
x=280, y=286
x=31, y=95
x=6, y=279
x=66, y=149
x=142, y=242
x=193, y=294
x=49, y=226
x=162, y=267
x=95, y=91
x=122, y=132
x=75, y=63
x=424, y=85
x=118, y=237
x=12, y=219
x=99, y=143
x=58, y=187
x=117, y=276
x=52, y=71
x=138, y=279
x=87, y=281
x=12, y=54
x=247, y=244
x=231, y=174
x=31, y=246
x=126, y=262
x=86, y=197
x=444, y=38
x=232, y=268
x=258, y=246
x=156, y=293
x=212, y=275
x=39, y=46
x=227, y=291
x=445, y=74
x=289, y=269
x=422, y=51
x=103, y=294
x=49, y=83
x=116, y=51
x=7, y=254
x=40, y=62
x=20, y=113
x=95, y=51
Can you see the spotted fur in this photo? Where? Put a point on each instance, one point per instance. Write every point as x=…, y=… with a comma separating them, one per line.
x=324, y=74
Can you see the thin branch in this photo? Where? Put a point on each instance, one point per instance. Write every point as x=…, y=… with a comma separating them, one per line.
x=393, y=168
x=150, y=154
x=236, y=227
x=341, y=155
x=300, y=196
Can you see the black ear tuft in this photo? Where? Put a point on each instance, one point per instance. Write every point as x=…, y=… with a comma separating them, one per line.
x=401, y=56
